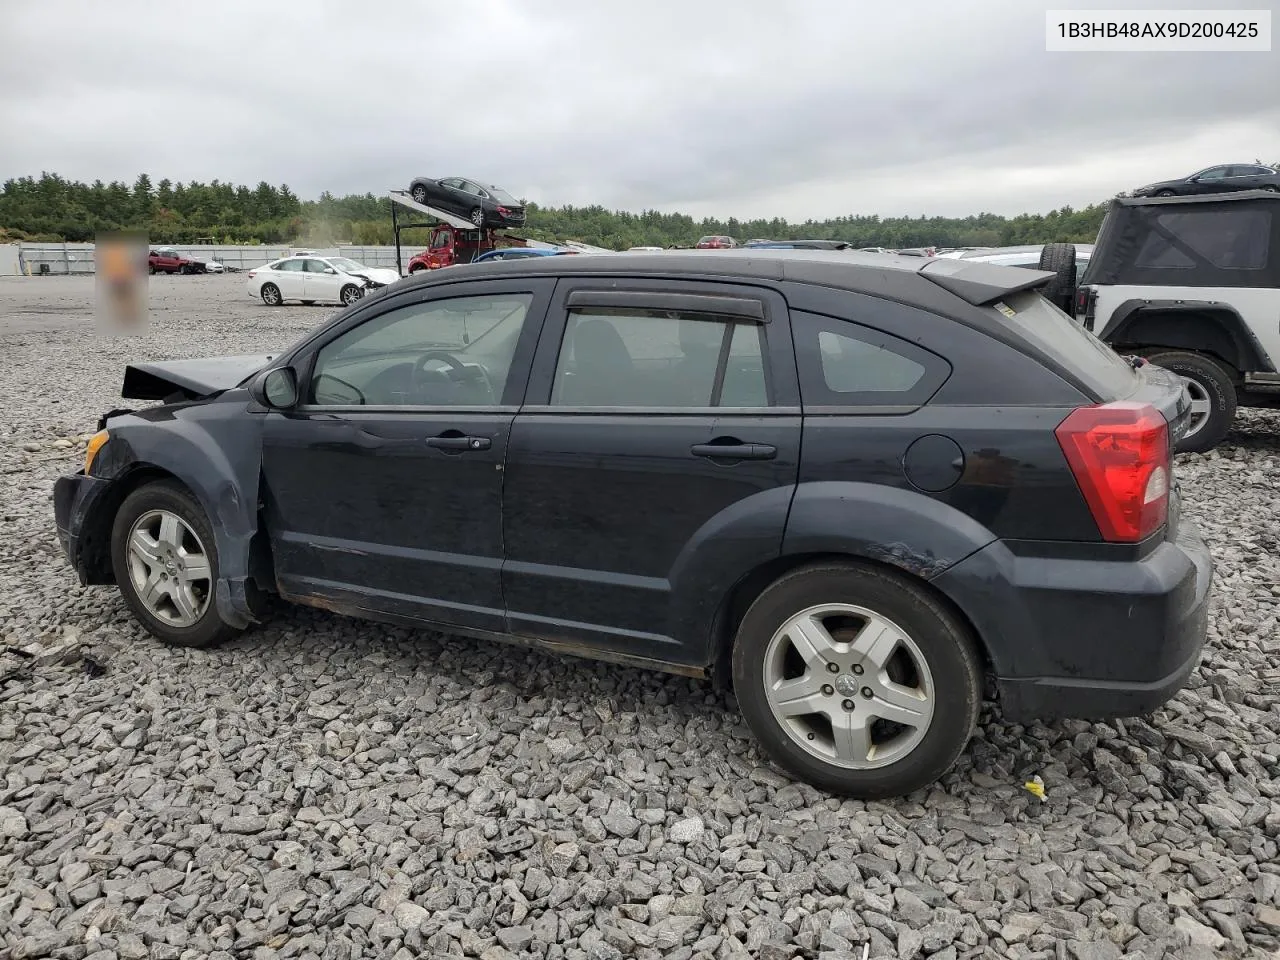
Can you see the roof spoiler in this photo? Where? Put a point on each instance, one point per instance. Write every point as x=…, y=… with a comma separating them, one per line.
x=981, y=283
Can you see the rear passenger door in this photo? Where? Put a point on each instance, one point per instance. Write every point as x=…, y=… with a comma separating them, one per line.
x=287, y=275
x=652, y=464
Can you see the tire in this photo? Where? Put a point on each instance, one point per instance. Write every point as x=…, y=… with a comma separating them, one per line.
x=477, y=216
x=271, y=295
x=151, y=270
x=350, y=294
x=1060, y=258
x=1210, y=381
x=419, y=194
x=149, y=508
x=952, y=677
x=1165, y=193
x=1272, y=187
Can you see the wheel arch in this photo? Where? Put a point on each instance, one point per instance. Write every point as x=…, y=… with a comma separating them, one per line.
x=734, y=605
x=214, y=454
x=1215, y=329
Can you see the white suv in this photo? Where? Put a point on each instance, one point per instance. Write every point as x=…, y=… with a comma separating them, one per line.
x=1193, y=285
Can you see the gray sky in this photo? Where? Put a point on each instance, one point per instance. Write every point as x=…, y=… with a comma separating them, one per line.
x=809, y=108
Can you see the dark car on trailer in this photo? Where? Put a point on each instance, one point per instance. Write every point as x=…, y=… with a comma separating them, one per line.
x=1224, y=178
x=482, y=203
x=853, y=486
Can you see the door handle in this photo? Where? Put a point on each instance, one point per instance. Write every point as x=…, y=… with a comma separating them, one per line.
x=734, y=451
x=459, y=443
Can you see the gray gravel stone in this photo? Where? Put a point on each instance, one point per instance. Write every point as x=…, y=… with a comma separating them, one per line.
x=332, y=789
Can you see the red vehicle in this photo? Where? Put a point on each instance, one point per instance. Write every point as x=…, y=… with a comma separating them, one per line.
x=449, y=245
x=716, y=243
x=168, y=260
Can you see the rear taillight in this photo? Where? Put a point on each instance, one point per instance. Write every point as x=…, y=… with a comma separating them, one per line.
x=1119, y=454
x=504, y=211
x=251, y=272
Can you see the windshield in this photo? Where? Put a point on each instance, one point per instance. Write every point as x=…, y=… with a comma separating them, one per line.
x=501, y=195
x=347, y=266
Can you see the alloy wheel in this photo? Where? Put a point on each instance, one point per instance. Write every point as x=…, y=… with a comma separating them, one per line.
x=169, y=568
x=849, y=686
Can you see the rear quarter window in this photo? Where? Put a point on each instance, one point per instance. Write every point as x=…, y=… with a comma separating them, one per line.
x=848, y=365
x=1069, y=344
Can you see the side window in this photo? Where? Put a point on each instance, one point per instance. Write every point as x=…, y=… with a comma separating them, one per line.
x=454, y=352
x=1217, y=173
x=290, y=265
x=1226, y=239
x=845, y=364
x=660, y=358
x=440, y=240
x=314, y=266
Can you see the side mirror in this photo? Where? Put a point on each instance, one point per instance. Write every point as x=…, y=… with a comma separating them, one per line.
x=276, y=389
x=330, y=270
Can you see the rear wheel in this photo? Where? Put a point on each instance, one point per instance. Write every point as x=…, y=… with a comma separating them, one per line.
x=477, y=217
x=165, y=561
x=1060, y=259
x=1213, y=397
x=271, y=295
x=856, y=680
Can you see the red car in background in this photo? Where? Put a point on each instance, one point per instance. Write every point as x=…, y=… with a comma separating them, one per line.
x=168, y=260
x=716, y=243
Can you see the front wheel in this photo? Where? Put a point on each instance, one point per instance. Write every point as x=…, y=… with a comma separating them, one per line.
x=419, y=195
x=1213, y=397
x=165, y=562
x=856, y=680
x=271, y=295
x=350, y=294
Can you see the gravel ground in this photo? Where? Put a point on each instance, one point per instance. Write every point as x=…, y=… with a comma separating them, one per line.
x=329, y=788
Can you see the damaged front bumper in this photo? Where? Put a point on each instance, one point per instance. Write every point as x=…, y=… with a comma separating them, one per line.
x=75, y=499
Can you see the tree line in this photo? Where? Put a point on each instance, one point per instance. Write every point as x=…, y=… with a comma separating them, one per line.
x=53, y=208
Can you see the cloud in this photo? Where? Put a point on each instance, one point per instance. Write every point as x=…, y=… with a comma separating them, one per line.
x=745, y=109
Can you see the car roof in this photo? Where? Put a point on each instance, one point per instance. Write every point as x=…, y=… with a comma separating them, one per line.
x=879, y=274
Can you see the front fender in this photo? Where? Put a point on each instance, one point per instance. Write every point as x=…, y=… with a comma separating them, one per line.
x=215, y=450
x=890, y=525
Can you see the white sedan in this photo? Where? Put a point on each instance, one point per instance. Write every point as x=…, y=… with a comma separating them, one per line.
x=312, y=279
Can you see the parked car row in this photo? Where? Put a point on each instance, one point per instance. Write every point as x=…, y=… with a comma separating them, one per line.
x=837, y=523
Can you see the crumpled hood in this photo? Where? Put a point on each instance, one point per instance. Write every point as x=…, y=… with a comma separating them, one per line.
x=378, y=275
x=190, y=378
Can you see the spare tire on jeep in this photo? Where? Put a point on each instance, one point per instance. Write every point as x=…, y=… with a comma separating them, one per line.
x=1060, y=258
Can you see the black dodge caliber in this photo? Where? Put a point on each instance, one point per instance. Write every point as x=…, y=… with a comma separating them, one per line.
x=855, y=486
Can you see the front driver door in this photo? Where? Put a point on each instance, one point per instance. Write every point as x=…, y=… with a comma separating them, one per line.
x=383, y=487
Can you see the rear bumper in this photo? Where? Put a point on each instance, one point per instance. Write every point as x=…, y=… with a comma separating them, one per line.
x=1084, y=638
x=75, y=498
